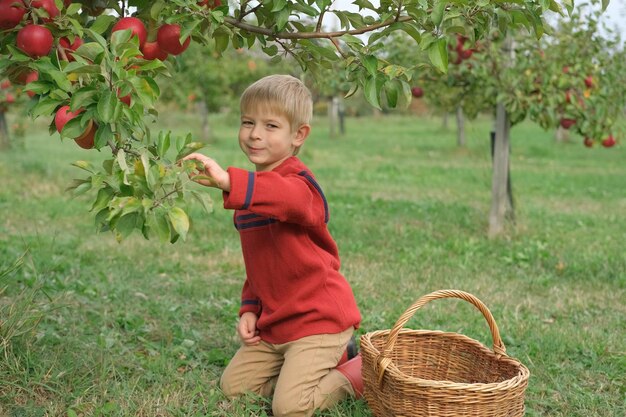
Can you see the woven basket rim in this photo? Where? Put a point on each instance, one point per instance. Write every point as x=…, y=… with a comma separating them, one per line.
x=521, y=378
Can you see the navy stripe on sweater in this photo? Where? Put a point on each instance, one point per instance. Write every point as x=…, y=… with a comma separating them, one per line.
x=249, y=190
x=258, y=223
x=319, y=190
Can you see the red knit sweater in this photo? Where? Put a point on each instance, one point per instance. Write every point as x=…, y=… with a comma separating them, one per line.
x=292, y=263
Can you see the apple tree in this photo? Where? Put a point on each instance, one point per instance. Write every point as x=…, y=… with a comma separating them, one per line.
x=571, y=78
x=98, y=64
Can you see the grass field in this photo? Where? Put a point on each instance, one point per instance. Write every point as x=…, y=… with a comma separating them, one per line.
x=90, y=327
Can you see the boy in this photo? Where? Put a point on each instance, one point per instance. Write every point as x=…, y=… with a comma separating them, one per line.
x=298, y=312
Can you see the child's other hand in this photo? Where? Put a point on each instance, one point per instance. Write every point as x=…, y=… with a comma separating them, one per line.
x=246, y=328
x=212, y=175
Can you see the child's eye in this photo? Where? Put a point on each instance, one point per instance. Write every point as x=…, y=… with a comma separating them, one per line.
x=271, y=126
x=246, y=123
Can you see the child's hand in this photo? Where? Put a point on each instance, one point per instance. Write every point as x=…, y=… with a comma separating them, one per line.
x=212, y=175
x=247, y=329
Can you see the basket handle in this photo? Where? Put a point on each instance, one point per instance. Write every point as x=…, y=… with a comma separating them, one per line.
x=384, y=358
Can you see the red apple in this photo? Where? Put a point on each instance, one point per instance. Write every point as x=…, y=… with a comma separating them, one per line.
x=63, y=116
x=135, y=25
x=566, y=70
x=5, y=84
x=152, y=51
x=10, y=98
x=86, y=140
x=567, y=123
x=466, y=53
x=212, y=4
x=568, y=96
x=168, y=38
x=588, y=142
x=69, y=47
x=49, y=6
x=589, y=81
x=30, y=77
x=417, y=92
x=460, y=41
x=35, y=40
x=125, y=99
x=609, y=142
x=11, y=13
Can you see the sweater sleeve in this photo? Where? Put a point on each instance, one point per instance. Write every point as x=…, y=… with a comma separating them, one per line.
x=293, y=198
x=249, y=301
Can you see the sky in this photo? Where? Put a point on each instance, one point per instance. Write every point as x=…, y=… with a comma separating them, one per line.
x=616, y=16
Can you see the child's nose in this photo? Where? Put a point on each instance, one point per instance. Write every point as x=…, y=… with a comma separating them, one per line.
x=255, y=132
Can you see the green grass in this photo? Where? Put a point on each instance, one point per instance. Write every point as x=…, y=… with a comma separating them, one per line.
x=145, y=329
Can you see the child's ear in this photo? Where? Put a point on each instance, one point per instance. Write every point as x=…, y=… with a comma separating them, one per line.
x=301, y=134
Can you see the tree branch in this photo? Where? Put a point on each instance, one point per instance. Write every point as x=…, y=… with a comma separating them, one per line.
x=311, y=35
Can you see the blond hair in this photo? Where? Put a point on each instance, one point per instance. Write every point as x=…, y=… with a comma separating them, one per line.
x=282, y=94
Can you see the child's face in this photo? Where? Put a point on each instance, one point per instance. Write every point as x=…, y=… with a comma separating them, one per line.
x=267, y=139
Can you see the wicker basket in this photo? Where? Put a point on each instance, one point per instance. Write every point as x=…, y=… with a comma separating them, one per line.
x=433, y=373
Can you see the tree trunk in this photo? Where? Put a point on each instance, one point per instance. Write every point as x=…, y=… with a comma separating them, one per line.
x=332, y=117
x=501, y=194
x=4, y=132
x=460, y=127
x=561, y=135
x=341, y=114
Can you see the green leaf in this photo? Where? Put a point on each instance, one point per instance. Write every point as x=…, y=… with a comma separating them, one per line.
x=87, y=166
x=121, y=160
x=60, y=78
x=204, y=199
x=79, y=187
x=102, y=23
x=74, y=128
x=278, y=5
x=189, y=148
x=158, y=223
x=437, y=14
x=45, y=106
x=163, y=144
x=392, y=89
x=102, y=200
x=125, y=225
x=372, y=92
x=281, y=19
x=438, y=54
x=370, y=63
x=103, y=135
x=83, y=97
x=180, y=221
x=107, y=106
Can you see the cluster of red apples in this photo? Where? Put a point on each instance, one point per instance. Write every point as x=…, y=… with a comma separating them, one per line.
x=33, y=21
x=568, y=122
x=459, y=52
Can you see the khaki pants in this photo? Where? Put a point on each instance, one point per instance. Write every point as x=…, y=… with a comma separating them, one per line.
x=301, y=374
